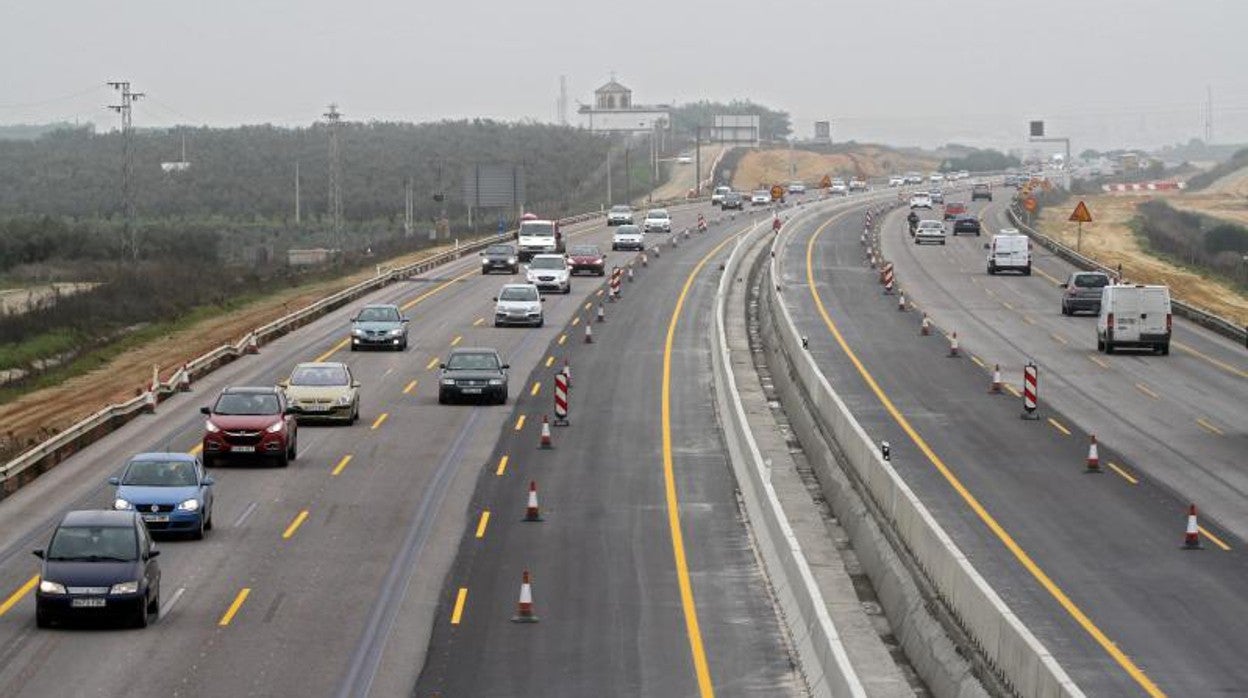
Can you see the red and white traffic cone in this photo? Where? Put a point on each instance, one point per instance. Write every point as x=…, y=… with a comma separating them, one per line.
x=953, y=345
x=184, y=379
x=1191, y=537
x=149, y=401
x=994, y=388
x=925, y=328
x=630, y=273
x=531, y=511
x=524, y=609
x=545, y=441
x=658, y=251
x=602, y=314
x=589, y=333
x=1094, y=458
x=567, y=372
x=901, y=302
x=253, y=346
x=645, y=261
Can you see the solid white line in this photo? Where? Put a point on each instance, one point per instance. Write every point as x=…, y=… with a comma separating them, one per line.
x=243, y=517
x=164, y=610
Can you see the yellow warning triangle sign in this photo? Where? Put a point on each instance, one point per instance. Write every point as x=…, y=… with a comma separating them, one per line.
x=825, y=182
x=1081, y=214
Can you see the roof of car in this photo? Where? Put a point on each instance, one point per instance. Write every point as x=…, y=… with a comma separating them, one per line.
x=532, y=286
x=164, y=456
x=251, y=389
x=99, y=517
x=382, y=305
x=473, y=350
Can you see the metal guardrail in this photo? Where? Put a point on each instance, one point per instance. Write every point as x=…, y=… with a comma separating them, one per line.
x=27, y=465
x=1204, y=318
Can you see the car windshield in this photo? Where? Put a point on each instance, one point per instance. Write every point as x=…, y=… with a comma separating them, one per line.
x=498, y=249
x=378, y=315
x=540, y=228
x=722, y=190
x=620, y=209
x=94, y=543
x=762, y=192
x=657, y=214
x=628, y=230
x=472, y=362
x=160, y=473
x=1091, y=280
x=584, y=251
x=547, y=263
x=930, y=224
x=518, y=293
x=247, y=404
x=319, y=375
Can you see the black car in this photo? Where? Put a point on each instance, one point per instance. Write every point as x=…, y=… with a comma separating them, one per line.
x=99, y=563
x=966, y=223
x=477, y=373
x=500, y=258
x=732, y=200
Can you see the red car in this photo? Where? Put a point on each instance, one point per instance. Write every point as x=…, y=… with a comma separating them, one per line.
x=953, y=209
x=250, y=422
x=587, y=258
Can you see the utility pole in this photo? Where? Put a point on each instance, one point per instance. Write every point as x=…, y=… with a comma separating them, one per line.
x=1209, y=115
x=298, y=217
x=407, y=211
x=335, y=174
x=129, y=237
x=610, y=199
x=628, y=178
x=563, y=100
x=697, y=161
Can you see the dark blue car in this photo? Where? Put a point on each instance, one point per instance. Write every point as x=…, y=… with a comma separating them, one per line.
x=170, y=491
x=98, y=563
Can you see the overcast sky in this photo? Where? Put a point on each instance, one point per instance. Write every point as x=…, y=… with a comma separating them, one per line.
x=1110, y=73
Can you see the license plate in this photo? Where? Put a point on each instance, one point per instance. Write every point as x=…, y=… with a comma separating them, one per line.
x=243, y=449
x=315, y=408
x=156, y=518
x=471, y=391
x=86, y=603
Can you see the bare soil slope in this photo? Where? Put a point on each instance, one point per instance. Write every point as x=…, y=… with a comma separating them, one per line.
x=766, y=167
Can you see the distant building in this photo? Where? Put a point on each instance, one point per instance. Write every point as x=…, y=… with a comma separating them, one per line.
x=175, y=166
x=613, y=110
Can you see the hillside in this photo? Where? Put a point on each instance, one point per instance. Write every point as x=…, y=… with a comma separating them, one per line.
x=782, y=164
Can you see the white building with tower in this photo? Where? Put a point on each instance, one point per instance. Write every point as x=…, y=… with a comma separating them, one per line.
x=613, y=110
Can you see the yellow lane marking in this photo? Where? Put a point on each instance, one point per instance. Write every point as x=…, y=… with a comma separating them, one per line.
x=16, y=596
x=1013, y=390
x=588, y=306
x=333, y=350
x=537, y=387
x=1058, y=426
x=432, y=362
x=1216, y=541
x=1147, y=391
x=410, y=387
x=502, y=466
x=458, y=338
x=1058, y=338
x=233, y=609
x=563, y=338
x=1125, y=475
x=1220, y=364
x=977, y=361
x=1041, y=272
x=600, y=292
x=438, y=289
x=990, y=292
x=1029, y=320
x=342, y=465
x=460, y=599
x=1097, y=361
x=993, y=525
x=381, y=418
x=1208, y=426
x=1007, y=305
x=485, y=521
x=196, y=449
x=576, y=320
x=294, y=525
x=478, y=322
x=520, y=423
x=550, y=360
x=705, y=687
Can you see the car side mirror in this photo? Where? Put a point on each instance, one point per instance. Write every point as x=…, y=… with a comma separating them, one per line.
x=442, y=366
x=355, y=384
x=288, y=410
x=209, y=481
x=114, y=481
x=495, y=299
x=284, y=383
x=506, y=366
x=1063, y=285
x=37, y=553
x=406, y=320
x=480, y=254
x=153, y=553
x=987, y=246
x=542, y=299
x=205, y=410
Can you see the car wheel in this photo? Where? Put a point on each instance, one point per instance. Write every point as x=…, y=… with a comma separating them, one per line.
x=1165, y=349
x=502, y=398
x=208, y=521
x=1065, y=310
x=198, y=533
x=140, y=617
x=283, y=460
x=1027, y=271
x=1109, y=347
x=153, y=607
x=353, y=347
x=541, y=321
x=42, y=619
x=442, y=398
x=294, y=450
x=567, y=290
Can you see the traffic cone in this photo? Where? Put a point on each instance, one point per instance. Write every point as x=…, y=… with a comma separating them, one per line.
x=531, y=511
x=645, y=261
x=994, y=388
x=589, y=333
x=953, y=345
x=253, y=347
x=602, y=314
x=1191, y=538
x=524, y=609
x=630, y=273
x=545, y=440
x=184, y=379
x=149, y=401
x=901, y=302
x=686, y=233
x=567, y=372
x=658, y=251
x=1094, y=459
x=925, y=328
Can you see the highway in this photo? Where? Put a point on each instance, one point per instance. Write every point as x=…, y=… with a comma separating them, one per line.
x=327, y=578
x=1092, y=564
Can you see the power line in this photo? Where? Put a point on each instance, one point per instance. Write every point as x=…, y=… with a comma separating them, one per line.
x=129, y=236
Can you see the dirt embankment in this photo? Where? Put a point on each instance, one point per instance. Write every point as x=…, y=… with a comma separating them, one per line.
x=37, y=415
x=1226, y=199
x=681, y=181
x=767, y=167
x=1110, y=241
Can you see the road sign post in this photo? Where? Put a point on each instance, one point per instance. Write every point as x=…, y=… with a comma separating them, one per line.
x=1030, y=380
x=1080, y=215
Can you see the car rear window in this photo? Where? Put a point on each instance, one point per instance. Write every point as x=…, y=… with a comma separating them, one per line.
x=657, y=213
x=1091, y=280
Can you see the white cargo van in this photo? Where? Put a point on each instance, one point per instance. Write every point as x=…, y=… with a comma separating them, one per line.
x=1134, y=316
x=1009, y=251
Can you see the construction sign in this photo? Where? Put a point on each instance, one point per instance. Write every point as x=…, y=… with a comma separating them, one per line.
x=1081, y=214
x=825, y=182
x=1029, y=203
x=777, y=192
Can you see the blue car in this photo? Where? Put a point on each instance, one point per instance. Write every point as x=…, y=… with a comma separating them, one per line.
x=170, y=491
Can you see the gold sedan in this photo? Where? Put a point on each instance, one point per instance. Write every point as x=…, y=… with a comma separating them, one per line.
x=323, y=391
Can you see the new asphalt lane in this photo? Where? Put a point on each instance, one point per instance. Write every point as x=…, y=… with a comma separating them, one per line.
x=1091, y=563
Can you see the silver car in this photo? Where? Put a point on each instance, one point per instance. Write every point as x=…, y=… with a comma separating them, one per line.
x=657, y=221
x=1083, y=290
x=518, y=304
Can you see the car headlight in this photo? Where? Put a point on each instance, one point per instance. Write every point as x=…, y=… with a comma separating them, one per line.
x=511, y=260
x=48, y=587
x=121, y=504
x=496, y=381
x=211, y=428
x=357, y=332
x=189, y=505
x=396, y=333
x=343, y=400
x=275, y=426
x=448, y=381
x=125, y=588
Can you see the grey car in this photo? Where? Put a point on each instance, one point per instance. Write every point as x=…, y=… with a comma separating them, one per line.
x=1083, y=291
x=473, y=373
x=379, y=326
x=500, y=258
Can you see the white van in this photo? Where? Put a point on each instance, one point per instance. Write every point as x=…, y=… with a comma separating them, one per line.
x=1134, y=316
x=1009, y=251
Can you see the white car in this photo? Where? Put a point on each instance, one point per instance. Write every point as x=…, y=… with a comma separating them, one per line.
x=549, y=272
x=896, y=181
x=797, y=188
x=1009, y=251
x=921, y=200
x=684, y=159
x=839, y=188
x=628, y=237
x=857, y=184
x=914, y=178
x=518, y=304
x=537, y=237
x=930, y=231
x=620, y=215
x=1134, y=316
x=935, y=178
x=717, y=196
x=760, y=197
x=657, y=221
